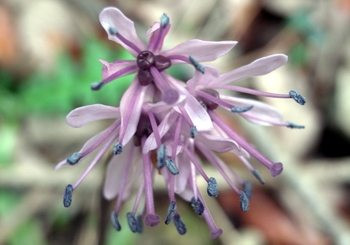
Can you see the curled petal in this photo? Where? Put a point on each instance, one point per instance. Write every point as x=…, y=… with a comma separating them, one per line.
x=86, y=114
x=109, y=69
x=258, y=67
x=201, y=50
x=113, y=18
x=216, y=143
x=198, y=114
x=261, y=113
x=162, y=106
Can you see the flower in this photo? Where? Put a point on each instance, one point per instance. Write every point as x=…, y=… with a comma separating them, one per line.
x=162, y=124
x=150, y=63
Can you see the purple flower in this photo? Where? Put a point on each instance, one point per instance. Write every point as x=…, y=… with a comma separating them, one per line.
x=162, y=123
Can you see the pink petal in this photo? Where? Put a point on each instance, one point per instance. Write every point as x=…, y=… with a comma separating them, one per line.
x=113, y=18
x=86, y=114
x=199, y=80
x=181, y=179
x=154, y=31
x=133, y=96
x=116, y=171
x=201, y=50
x=262, y=111
x=258, y=67
x=111, y=68
x=162, y=106
x=216, y=143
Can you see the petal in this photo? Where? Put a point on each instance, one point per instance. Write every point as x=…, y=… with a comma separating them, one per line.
x=116, y=171
x=261, y=113
x=194, y=109
x=200, y=80
x=181, y=179
x=162, y=106
x=216, y=143
x=130, y=109
x=201, y=50
x=111, y=68
x=86, y=114
x=258, y=67
x=156, y=43
x=113, y=18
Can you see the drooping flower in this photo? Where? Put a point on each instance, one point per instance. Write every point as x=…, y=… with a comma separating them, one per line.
x=163, y=123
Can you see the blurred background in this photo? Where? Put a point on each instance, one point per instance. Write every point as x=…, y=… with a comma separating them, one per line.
x=49, y=52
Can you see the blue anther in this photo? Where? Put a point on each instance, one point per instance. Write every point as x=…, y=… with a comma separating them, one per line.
x=171, y=212
x=180, y=226
x=115, y=221
x=247, y=188
x=258, y=176
x=212, y=189
x=161, y=156
x=74, y=158
x=197, y=65
x=164, y=20
x=197, y=206
x=244, y=201
x=193, y=132
x=293, y=125
x=139, y=224
x=96, y=86
x=297, y=97
x=171, y=166
x=132, y=222
x=67, y=198
x=112, y=31
x=118, y=148
x=237, y=109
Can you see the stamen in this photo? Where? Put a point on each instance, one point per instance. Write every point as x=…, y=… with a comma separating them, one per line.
x=118, y=148
x=74, y=158
x=197, y=206
x=67, y=198
x=297, y=97
x=276, y=169
x=247, y=188
x=96, y=86
x=161, y=156
x=115, y=221
x=196, y=65
x=139, y=224
x=244, y=201
x=171, y=212
x=170, y=96
x=258, y=176
x=293, y=125
x=132, y=222
x=212, y=190
x=112, y=30
x=164, y=20
x=171, y=166
x=193, y=132
x=180, y=226
x=237, y=109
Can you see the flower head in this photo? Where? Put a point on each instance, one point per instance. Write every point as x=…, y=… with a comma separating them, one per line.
x=162, y=124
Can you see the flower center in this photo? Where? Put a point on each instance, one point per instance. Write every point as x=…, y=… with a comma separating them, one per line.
x=145, y=60
x=210, y=105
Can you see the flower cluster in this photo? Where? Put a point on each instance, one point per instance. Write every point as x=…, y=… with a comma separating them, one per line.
x=163, y=123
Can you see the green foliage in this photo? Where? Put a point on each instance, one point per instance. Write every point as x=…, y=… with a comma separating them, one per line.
x=69, y=86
